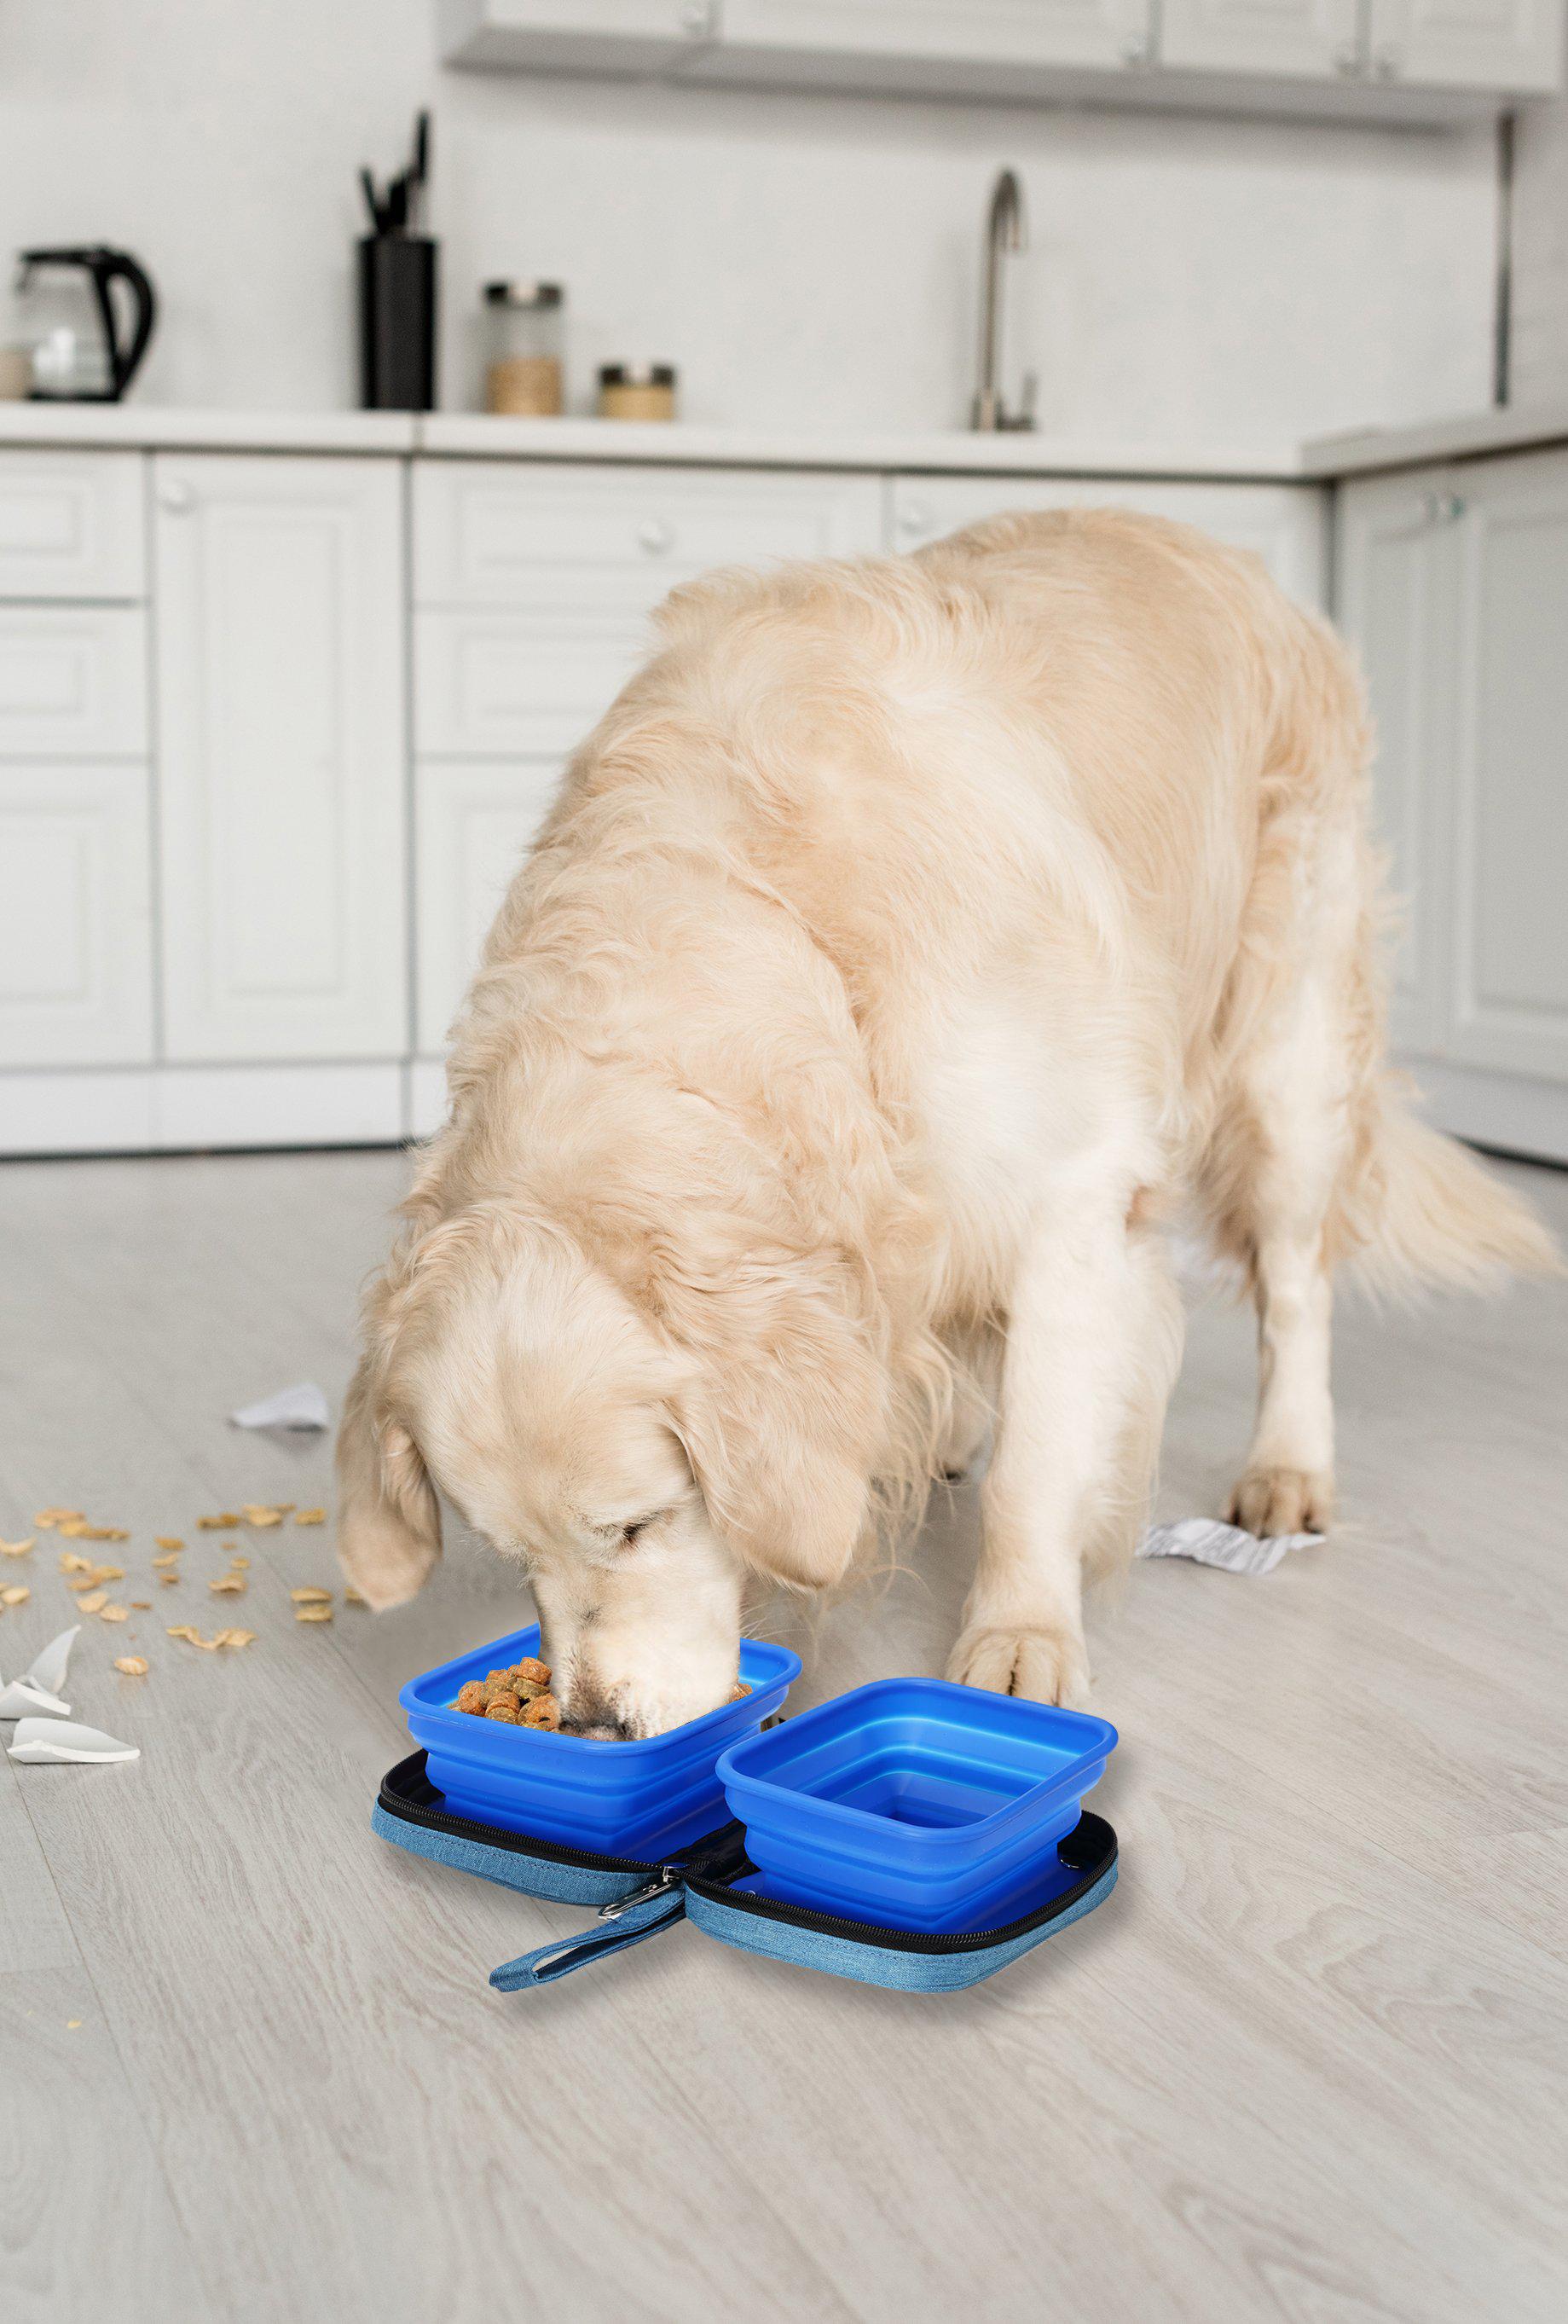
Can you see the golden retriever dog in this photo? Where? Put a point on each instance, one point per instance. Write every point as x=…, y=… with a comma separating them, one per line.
x=908, y=941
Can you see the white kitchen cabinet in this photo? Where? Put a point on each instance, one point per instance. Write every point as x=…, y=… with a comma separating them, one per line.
x=1509, y=990
x=1289, y=38
x=922, y=44
x=1284, y=524
x=1513, y=45
x=546, y=538
x=631, y=37
x=1397, y=565
x=73, y=681
x=280, y=587
x=490, y=684
x=473, y=821
x=1453, y=586
x=76, y=985
x=70, y=524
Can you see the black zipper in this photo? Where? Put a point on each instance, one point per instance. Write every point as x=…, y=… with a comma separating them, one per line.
x=1092, y=1838
x=1091, y=1844
x=395, y=1801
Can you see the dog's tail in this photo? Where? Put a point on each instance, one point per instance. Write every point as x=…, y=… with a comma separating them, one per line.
x=1423, y=1210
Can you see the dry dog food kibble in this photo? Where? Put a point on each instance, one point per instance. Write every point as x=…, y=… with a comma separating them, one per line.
x=520, y=1696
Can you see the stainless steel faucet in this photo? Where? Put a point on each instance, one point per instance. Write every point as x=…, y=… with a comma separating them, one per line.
x=1006, y=230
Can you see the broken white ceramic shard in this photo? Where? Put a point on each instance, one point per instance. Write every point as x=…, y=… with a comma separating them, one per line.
x=38, y=1739
x=38, y=1689
x=301, y=1406
x=1207, y=1542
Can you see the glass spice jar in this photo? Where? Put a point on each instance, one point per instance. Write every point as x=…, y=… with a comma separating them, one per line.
x=522, y=370
x=636, y=391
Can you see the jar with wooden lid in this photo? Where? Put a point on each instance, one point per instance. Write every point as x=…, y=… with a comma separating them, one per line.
x=636, y=391
x=523, y=371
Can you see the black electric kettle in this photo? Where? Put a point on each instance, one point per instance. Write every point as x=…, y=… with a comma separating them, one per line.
x=73, y=326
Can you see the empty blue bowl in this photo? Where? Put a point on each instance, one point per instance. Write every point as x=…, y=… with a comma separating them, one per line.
x=641, y=1799
x=913, y=1803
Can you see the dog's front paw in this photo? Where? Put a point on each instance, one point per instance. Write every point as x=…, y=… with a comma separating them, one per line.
x=1047, y=1665
x=1282, y=1501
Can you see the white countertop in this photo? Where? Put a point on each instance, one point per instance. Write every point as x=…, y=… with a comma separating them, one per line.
x=1512, y=428
x=477, y=434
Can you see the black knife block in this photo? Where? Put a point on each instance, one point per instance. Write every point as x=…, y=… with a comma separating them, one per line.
x=397, y=322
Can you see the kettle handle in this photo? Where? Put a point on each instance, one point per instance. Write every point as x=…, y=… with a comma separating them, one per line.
x=109, y=266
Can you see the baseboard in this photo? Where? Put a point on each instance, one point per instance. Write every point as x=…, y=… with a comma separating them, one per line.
x=1508, y=1112
x=160, y=1109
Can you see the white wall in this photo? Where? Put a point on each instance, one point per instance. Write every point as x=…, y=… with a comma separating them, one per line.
x=806, y=260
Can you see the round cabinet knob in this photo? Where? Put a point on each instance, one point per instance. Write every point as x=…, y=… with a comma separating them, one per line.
x=1135, y=50
x=914, y=519
x=175, y=496
x=1450, y=508
x=655, y=537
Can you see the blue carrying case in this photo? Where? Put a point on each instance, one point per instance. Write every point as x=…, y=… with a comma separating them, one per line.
x=713, y=1883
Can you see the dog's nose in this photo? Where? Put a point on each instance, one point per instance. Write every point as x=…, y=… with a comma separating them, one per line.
x=598, y=1730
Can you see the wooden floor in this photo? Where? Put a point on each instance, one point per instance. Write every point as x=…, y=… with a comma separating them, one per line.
x=1307, y=2063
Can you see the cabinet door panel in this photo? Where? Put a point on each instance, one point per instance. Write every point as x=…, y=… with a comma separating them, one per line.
x=1509, y=993
x=1282, y=524
x=1502, y=44
x=73, y=681
x=1308, y=39
x=76, y=975
x=283, y=762
x=1398, y=564
x=992, y=31
x=473, y=821
x=506, y=684
x=70, y=524
x=545, y=539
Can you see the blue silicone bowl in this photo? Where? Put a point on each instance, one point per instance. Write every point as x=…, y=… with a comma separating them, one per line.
x=913, y=1803
x=640, y=1799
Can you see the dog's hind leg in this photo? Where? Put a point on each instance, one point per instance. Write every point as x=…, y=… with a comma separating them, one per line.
x=1093, y=1342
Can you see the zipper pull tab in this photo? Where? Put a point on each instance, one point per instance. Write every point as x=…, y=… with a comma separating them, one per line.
x=667, y=1877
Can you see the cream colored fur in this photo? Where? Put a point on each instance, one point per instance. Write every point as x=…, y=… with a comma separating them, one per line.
x=908, y=941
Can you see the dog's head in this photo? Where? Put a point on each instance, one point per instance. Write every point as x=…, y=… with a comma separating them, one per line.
x=638, y=1462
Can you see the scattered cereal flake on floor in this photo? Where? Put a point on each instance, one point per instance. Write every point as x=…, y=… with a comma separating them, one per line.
x=16, y=1594
x=170, y=1580
x=229, y=1585
x=241, y=1561
x=170, y=1555
x=312, y=1613
x=49, y=1518
x=71, y=1527
x=71, y=1560
x=113, y=1613
x=224, y=1522
x=309, y=1595
x=192, y=1636
x=351, y=1597
x=134, y=1665
x=73, y=2024
x=16, y=1548
x=233, y=1637
x=141, y=1605
x=262, y=1514
x=94, y=1601
x=309, y=1516
x=166, y=1541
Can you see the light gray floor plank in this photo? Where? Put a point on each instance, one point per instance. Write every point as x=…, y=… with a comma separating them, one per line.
x=1302, y=2067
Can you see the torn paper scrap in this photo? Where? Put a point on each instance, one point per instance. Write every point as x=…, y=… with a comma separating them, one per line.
x=1207, y=1542
x=301, y=1406
x=38, y=1739
x=38, y=1689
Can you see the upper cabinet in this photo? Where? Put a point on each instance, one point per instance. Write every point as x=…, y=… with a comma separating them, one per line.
x=1409, y=60
x=1311, y=40
x=1499, y=44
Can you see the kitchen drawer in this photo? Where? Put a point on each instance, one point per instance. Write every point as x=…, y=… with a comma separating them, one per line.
x=473, y=821
x=73, y=681
x=71, y=525
x=509, y=683
x=549, y=538
x=1284, y=524
x=75, y=973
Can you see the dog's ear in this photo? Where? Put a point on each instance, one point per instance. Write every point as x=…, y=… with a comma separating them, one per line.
x=781, y=1420
x=389, y=1521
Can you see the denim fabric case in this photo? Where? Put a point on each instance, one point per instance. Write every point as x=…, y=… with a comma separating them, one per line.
x=708, y=1885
